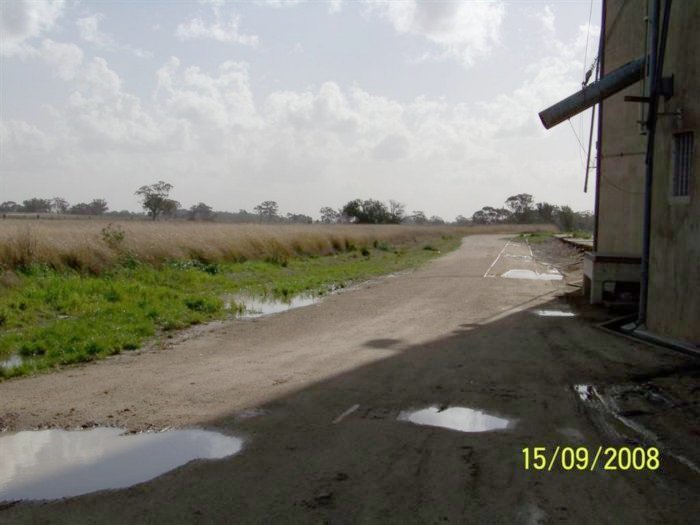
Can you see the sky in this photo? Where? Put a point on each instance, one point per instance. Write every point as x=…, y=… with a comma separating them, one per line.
x=307, y=103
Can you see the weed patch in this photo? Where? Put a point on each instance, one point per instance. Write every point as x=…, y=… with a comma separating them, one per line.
x=60, y=317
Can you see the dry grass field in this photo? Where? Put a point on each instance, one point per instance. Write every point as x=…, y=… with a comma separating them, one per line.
x=94, y=245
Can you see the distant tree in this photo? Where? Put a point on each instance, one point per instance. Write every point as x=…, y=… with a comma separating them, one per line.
x=267, y=210
x=565, y=218
x=36, y=205
x=200, y=212
x=546, y=211
x=59, y=205
x=171, y=208
x=10, y=207
x=155, y=201
x=491, y=215
x=521, y=206
x=299, y=218
x=418, y=217
x=436, y=219
x=94, y=207
x=397, y=211
x=98, y=206
x=369, y=211
x=584, y=220
x=461, y=220
x=81, y=208
x=329, y=215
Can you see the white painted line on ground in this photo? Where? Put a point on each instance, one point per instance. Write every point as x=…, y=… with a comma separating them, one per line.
x=496, y=259
x=345, y=414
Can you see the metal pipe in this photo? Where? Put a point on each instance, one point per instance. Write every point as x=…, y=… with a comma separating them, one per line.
x=610, y=84
x=599, y=139
x=590, y=132
x=656, y=64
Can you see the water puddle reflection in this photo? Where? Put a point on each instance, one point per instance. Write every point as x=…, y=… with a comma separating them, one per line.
x=529, y=274
x=13, y=361
x=554, y=313
x=51, y=464
x=456, y=418
x=585, y=392
x=256, y=306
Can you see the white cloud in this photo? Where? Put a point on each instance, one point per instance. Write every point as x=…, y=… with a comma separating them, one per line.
x=64, y=59
x=205, y=131
x=334, y=6
x=219, y=29
x=23, y=20
x=17, y=136
x=89, y=29
x=463, y=31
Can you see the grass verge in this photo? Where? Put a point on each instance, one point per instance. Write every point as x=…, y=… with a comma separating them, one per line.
x=50, y=318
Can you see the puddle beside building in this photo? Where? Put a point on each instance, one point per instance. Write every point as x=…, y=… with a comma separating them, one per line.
x=456, y=418
x=585, y=392
x=554, y=313
x=51, y=464
x=529, y=274
x=256, y=306
x=13, y=361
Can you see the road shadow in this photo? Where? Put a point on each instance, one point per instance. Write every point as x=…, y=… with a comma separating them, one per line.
x=302, y=463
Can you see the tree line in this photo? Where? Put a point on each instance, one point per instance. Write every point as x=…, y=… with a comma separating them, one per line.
x=55, y=205
x=522, y=209
x=156, y=202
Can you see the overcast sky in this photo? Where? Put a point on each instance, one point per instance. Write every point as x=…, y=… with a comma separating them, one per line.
x=310, y=104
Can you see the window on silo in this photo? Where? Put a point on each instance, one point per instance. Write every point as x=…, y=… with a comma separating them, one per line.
x=682, y=163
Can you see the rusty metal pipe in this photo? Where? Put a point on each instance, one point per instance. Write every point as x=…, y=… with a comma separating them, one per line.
x=615, y=81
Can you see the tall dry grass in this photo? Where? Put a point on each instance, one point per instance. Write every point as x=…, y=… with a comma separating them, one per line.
x=84, y=245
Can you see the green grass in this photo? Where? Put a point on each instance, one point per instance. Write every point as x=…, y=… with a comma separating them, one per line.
x=581, y=234
x=60, y=318
x=536, y=237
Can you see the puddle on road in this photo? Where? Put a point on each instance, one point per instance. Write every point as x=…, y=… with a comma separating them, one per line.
x=51, y=464
x=13, y=361
x=257, y=306
x=585, y=392
x=554, y=313
x=529, y=274
x=456, y=418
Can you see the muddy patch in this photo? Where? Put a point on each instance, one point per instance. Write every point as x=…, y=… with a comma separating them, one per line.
x=52, y=464
x=456, y=418
x=251, y=306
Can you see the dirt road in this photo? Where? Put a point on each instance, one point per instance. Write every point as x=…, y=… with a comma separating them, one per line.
x=454, y=333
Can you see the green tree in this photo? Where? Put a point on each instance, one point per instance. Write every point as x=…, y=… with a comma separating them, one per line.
x=565, y=219
x=200, y=212
x=546, y=212
x=36, y=205
x=329, y=215
x=397, y=212
x=521, y=206
x=267, y=210
x=418, y=217
x=10, y=207
x=155, y=199
x=98, y=206
x=369, y=211
x=59, y=205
